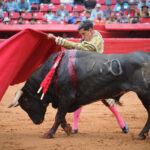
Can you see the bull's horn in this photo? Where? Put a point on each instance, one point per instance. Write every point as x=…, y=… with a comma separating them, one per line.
x=18, y=95
x=17, y=105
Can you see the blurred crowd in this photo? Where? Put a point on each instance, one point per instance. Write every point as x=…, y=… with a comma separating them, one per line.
x=74, y=11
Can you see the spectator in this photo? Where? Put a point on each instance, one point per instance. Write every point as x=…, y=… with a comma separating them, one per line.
x=45, y=1
x=1, y=4
x=32, y=21
x=1, y=16
x=44, y=20
x=36, y=2
x=134, y=2
x=89, y=4
x=107, y=11
x=11, y=6
x=76, y=18
x=1, y=9
x=87, y=16
x=49, y=15
x=145, y=18
x=123, y=18
x=62, y=14
x=112, y=18
x=6, y=20
x=20, y=20
x=78, y=2
x=135, y=18
x=142, y=3
x=23, y=6
x=97, y=10
x=67, y=2
x=108, y=2
x=144, y=10
x=130, y=12
x=121, y=6
x=125, y=1
x=99, y=20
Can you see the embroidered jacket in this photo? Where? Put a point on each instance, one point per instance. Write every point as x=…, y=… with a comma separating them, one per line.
x=96, y=43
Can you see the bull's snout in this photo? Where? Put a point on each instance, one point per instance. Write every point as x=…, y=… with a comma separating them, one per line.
x=38, y=121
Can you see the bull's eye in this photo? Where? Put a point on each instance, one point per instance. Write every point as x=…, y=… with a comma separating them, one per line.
x=26, y=103
x=25, y=99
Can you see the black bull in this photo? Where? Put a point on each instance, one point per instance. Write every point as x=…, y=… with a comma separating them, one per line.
x=85, y=77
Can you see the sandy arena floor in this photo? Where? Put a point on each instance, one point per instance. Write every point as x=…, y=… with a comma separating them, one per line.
x=98, y=128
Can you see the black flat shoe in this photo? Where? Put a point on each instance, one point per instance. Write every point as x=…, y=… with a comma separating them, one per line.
x=126, y=128
x=74, y=131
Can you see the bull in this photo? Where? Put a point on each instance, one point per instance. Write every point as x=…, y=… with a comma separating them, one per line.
x=82, y=78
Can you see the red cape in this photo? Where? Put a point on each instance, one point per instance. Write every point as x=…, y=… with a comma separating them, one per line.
x=21, y=55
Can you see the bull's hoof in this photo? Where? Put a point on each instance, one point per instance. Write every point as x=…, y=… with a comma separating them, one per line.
x=48, y=136
x=143, y=136
x=126, y=128
x=68, y=129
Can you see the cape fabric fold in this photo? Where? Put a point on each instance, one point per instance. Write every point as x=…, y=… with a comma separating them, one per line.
x=21, y=55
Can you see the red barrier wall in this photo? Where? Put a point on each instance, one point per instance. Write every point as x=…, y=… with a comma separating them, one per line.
x=126, y=45
x=115, y=45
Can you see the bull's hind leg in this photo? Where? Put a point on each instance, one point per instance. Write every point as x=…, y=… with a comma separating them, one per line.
x=145, y=99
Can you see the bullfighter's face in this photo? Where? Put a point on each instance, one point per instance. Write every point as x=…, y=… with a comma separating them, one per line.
x=86, y=34
x=34, y=107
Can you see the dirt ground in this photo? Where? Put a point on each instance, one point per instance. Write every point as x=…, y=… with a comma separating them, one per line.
x=98, y=128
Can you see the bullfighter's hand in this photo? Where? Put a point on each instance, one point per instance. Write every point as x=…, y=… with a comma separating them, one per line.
x=51, y=36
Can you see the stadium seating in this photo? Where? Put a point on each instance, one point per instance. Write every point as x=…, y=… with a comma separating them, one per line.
x=61, y=22
x=52, y=22
x=5, y=14
x=55, y=2
x=14, y=22
x=82, y=14
x=14, y=15
x=102, y=7
x=26, y=16
x=102, y=2
x=26, y=22
x=68, y=7
x=54, y=8
x=114, y=2
x=70, y=14
x=39, y=22
x=78, y=8
x=38, y=15
x=44, y=7
x=112, y=7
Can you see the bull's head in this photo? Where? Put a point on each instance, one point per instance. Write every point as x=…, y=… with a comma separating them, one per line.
x=32, y=104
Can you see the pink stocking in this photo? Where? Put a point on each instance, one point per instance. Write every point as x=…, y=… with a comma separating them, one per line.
x=76, y=115
x=119, y=119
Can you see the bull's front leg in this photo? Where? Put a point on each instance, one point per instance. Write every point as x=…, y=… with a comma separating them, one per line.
x=59, y=119
x=67, y=128
x=62, y=111
x=52, y=131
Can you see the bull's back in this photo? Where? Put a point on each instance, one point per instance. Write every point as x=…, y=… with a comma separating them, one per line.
x=97, y=74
